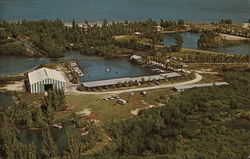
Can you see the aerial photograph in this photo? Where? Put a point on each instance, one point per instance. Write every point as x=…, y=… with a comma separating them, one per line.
x=124, y=79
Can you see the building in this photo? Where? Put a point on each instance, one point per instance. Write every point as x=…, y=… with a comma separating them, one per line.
x=136, y=59
x=183, y=88
x=246, y=25
x=113, y=82
x=44, y=79
x=170, y=75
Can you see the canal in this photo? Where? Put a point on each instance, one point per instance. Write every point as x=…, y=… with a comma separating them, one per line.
x=191, y=39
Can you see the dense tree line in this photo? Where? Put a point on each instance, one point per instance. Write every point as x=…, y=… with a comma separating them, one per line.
x=172, y=25
x=52, y=37
x=218, y=58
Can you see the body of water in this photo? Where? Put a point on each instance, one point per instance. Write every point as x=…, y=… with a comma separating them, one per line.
x=190, y=41
x=5, y=100
x=59, y=135
x=16, y=64
x=93, y=67
x=120, y=10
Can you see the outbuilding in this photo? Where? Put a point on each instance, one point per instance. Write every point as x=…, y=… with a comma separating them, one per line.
x=44, y=79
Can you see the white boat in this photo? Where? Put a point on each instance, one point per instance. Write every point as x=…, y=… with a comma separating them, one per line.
x=108, y=70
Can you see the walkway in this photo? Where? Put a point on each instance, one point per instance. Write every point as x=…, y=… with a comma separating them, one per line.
x=198, y=78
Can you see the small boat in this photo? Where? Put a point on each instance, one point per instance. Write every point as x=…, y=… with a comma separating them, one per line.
x=108, y=70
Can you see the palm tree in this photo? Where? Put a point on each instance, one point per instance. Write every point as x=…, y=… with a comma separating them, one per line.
x=178, y=40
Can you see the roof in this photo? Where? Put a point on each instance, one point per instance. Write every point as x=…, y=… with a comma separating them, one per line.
x=147, y=78
x=135, y=57
x=44, y=73
x=105, y=82
x=169, y=75
x=200, y=85
x=121, y=80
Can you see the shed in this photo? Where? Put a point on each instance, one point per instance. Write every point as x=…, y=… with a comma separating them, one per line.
x=135, y=57
x=44, y=79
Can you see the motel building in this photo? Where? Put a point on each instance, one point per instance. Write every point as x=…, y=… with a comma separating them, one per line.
x=44, y=79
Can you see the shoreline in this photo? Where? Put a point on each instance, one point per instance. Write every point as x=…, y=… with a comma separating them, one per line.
x=230, y=37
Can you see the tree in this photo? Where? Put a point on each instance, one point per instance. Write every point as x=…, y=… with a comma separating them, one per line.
x=74, y=24
x=74, y=145
x=181, y=22
x=49, y=148
x=178, y=40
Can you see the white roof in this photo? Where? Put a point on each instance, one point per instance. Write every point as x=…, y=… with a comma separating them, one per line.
x=128, y=79
x=136, y=57
x=44, y=73
x=147, y=78
x=105, y=82
x=200, y=85
x=171, y=74
x=121, y=80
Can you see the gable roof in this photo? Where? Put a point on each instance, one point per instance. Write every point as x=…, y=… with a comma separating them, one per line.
x=44, y=73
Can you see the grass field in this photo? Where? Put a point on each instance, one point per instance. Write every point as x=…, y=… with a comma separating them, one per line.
x=107, y=110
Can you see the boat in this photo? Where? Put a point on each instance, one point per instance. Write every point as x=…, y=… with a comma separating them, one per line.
x=108, y=70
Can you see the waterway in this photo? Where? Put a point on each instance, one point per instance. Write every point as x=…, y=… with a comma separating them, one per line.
x=120, y=10
x=93, y=67
x=190, y=41
x=59, y=135
x=5, y=100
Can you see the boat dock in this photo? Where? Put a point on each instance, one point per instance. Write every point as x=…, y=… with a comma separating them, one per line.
x=75, y=68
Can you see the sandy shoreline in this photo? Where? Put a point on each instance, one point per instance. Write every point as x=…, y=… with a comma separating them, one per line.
x=233, y=37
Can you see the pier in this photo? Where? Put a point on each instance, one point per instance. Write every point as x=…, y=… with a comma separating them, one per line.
x=75, y=68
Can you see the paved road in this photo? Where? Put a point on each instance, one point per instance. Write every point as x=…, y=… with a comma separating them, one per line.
x=198, y=77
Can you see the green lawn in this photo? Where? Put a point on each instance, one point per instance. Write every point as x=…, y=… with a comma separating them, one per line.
x=106, y=110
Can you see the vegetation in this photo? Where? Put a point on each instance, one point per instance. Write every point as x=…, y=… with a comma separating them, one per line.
x=106, y=110
x=201, y=123
x=172, y=25
x=51, y=38
x=209, y=39
x=22, y=116
x=225, y=22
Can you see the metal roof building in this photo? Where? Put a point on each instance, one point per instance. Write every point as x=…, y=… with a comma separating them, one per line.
x=170, y=75
x=44, y=79
x=109, y=82
x=147, y=78
x=182, y=88
x=102, y=83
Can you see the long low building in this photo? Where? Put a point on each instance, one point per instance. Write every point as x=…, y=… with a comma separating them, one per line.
x=103, y=83
x=170, y=75
x=182, y=88
x=44, y=79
